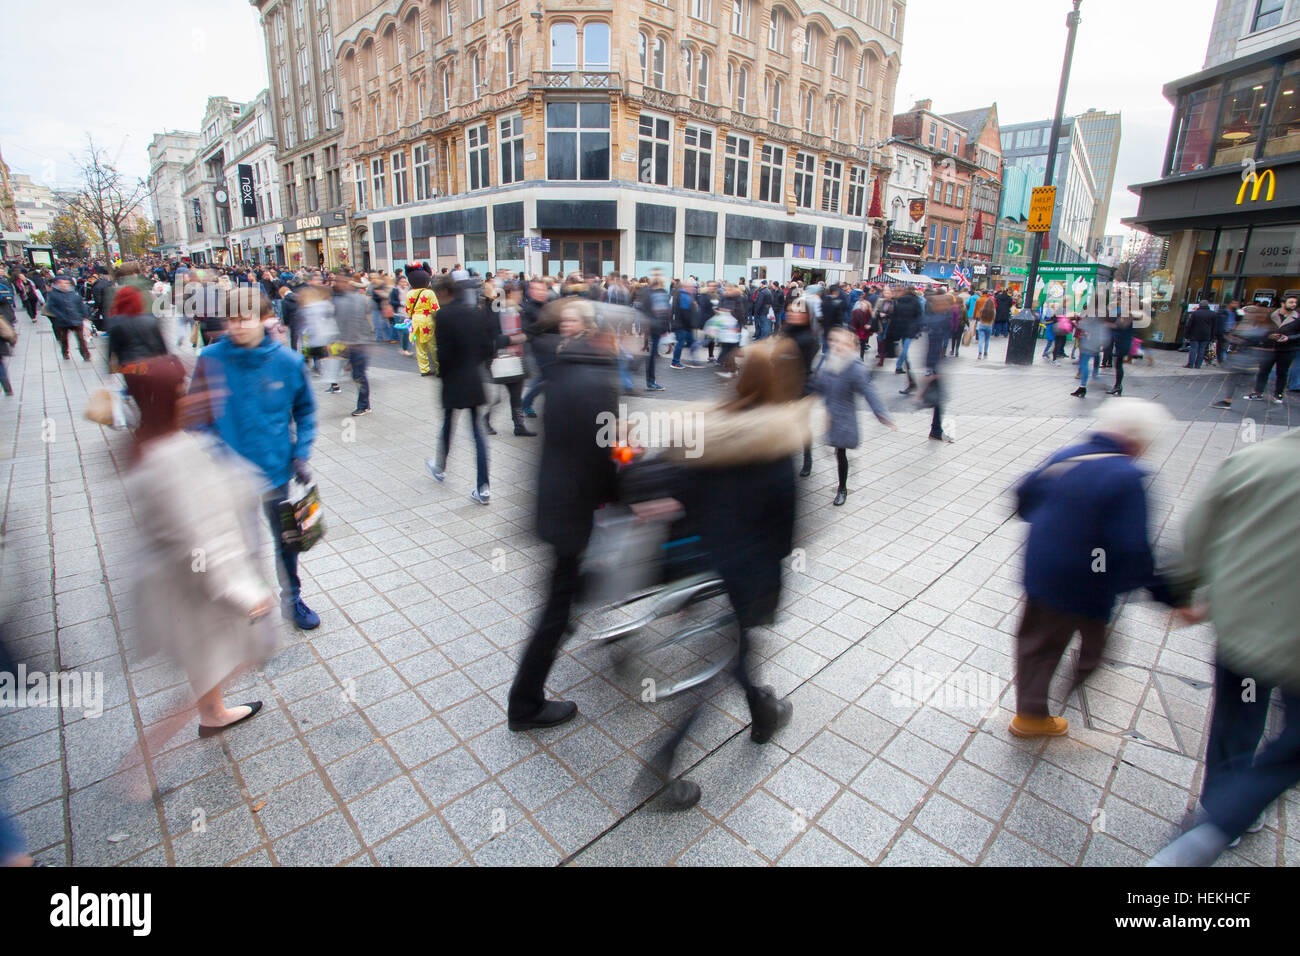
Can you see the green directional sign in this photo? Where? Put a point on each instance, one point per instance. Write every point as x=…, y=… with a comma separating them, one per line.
x=1015, y=247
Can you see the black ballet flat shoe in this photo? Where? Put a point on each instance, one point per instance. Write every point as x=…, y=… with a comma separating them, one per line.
x=840, y=497
x=253, y=705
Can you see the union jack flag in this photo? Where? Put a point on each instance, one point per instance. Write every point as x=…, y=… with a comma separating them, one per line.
x=960, y=277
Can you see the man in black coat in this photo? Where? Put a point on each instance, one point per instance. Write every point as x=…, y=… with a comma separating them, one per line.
x=1002, y=318
x=465, y=338
x=761, y=306
x=575, y=477
x=797, y=326
x=1200, y=329
x=540, y=344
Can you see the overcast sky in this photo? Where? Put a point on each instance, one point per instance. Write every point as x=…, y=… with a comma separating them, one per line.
x=127, y=75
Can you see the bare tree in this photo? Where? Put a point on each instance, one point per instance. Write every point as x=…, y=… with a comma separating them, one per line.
x=106, y=199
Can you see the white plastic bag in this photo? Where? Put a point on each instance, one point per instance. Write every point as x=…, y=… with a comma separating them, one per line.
x=331, y=369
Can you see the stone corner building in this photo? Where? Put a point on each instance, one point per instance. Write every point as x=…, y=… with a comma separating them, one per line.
x=692, y=136
x=308, y=123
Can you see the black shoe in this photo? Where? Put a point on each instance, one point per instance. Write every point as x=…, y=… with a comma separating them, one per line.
x=907, y=391
x=253, y=705
x=1080, y=392
x=839, y=497
x=770, y=714
x=523, y=431
x=1116, y=391
x=943, y=437
x=529, y=413
x=806, y=470
x=487, y=426
x=1222, y=403
x=552, y=714
x=680, y=795
x=358, y=412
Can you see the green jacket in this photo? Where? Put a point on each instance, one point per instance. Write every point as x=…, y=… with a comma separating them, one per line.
x=1242, y=544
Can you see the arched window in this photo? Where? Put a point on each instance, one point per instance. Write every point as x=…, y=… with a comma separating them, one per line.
x=564, y=46
x=774, y=104
x=657, y=63
x=809, y=105
x=809, y=46
x=510, y=62
x=643, y=50
x=688, y=59
x=835, y=120
x=595, y=46
x=840, y=58
x=777, y=28
x=862, y=70
x=742, y=90
x=702, y=78
x=444, y=81
x=476, y=70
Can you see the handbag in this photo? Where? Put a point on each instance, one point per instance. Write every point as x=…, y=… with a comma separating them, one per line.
x=965, y=336
x=302, y=521
x=507, y=367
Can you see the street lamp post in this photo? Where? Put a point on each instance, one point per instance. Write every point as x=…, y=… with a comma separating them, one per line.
x=866, y=204
x=1072, y=26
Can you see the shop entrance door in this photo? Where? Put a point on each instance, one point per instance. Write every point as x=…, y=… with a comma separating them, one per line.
x=591, y=254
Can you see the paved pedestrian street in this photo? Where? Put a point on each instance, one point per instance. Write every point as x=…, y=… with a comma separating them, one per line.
x=383, y=739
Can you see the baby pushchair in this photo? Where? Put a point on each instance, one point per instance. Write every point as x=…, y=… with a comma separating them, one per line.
x=641, y=575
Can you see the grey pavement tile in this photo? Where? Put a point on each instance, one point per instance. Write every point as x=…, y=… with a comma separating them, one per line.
x=585, y=750
x=1009, y=850
x=648, y=837
x=521, y=845
x=363, y=771
x=864, y=728
x=381, y=812
x=118, y=805
x=221, y=840
x=326, y=842
x=198, y=758
x=960, y=830
x=446, y=777
x=977, y=789
x=999, y=757
x=395, y=713
x=1064, y=791
x=917, y=757
x=271, y=768
x=913, y=849
x=340, y=738
x=322, y=708
x=1105, y=851
x=442, y=693
x=890, y=788
x=424, y=666
x=536, y=781
x=421, y=742
x=294, y=805
x=574, y=819
x=499, y=749
x=1155, y=795
x=1043, y=825
x=858, y=825
x=42, y=826
x=815, y=848
x=802, y=786
x=766, y=824
x=836, y=756
x=206, y=797
x=27, y=754
x=426, y=843
x=474, y=716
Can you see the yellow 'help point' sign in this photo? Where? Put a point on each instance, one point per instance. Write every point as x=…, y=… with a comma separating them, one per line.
x=1040, y=209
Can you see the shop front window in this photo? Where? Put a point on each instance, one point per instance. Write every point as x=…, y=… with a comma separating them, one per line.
x=1241, y=118
x=1196, y=117
x=1284, y=128
x=1273, y=251
x=1232, y=248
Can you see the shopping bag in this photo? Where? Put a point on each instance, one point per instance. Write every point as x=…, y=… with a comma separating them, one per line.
x=99, y=407
x=302, y=521
x=965, y=336
x=507, y=368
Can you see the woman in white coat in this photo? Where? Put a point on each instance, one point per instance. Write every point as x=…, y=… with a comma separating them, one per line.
x=200, y=595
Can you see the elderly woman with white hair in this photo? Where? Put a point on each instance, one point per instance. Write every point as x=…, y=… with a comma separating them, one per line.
x=1088, y=546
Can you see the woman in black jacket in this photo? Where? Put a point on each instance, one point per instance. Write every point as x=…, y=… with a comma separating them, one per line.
x=1279, y=351
x=576, y=476
x=464, y=339
x=798, y=328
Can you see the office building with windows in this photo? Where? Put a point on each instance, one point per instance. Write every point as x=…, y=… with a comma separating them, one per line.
x=715, y=138
x=1100, y=132
x=1024, y=146
x=1228, y=196
x=253, y=184
x=169, y=155
x=306, y=110
x=206, y=196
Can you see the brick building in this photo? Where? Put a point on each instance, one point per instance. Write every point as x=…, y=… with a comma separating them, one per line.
x=632, y=135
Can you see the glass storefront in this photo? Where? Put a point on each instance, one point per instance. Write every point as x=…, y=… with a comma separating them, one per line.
x=1259, y=265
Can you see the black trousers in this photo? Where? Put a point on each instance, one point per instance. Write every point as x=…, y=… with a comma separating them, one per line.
x=528, y=692
x=1281, y=361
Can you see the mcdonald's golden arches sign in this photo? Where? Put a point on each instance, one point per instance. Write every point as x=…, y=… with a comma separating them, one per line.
x=1255, y=180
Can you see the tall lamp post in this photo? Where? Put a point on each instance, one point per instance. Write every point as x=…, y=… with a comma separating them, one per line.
x=1049, y=174
x=866, y=204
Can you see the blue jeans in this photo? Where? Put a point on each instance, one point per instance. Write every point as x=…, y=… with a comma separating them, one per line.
x=902, y=355
x=286, y=558
x=357, y=358
x=1196, y=354
x=480, y=444
x=685, y=339
x=982, y=334
x=762, y=327
x=533, y=390
x=383, y=328
x=624, y=375
x=1240, y=785
x=1293, y=379
x=1088, y=362
x=404, y=338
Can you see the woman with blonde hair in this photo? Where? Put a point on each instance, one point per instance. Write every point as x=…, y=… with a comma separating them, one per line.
x=738, y=482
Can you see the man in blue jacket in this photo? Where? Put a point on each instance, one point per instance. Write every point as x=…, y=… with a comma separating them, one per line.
x=1087, y=513
x=263, y=410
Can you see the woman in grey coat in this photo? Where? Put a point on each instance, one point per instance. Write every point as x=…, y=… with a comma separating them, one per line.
x=841, y=378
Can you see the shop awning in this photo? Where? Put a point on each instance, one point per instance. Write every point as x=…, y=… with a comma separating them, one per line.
x=902, y=278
